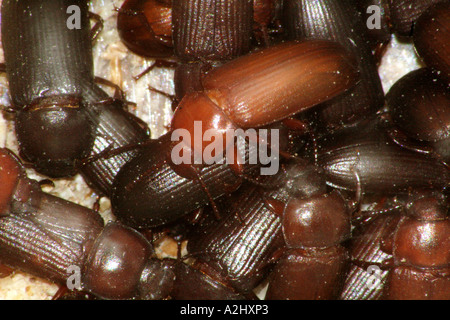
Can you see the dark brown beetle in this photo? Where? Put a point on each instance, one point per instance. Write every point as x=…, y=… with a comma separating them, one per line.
x=207, y=34
x=314, y=224
x=148, y=192
x=242, y=246
x=431, y=34
x=203, y=34
x=419, y=107
x=211, y=30
x=60, y=101
x=64, y=242
x=240, y=94
x=48, y=67
x=404, y=13
x=366, y=279
x=118, y=134
x=152, y=175
x=365, y=158
x=338, y=21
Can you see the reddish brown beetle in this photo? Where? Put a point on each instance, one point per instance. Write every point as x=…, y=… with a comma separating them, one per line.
x=403, y=254
x=246, y=88
x=420, y=248
x=145, y=27
x=339, y=21
x=247, y=92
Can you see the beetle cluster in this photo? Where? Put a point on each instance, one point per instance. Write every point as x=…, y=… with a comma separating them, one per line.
x=302, y=70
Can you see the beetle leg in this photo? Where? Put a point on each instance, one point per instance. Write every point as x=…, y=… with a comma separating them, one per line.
x=358, y=191
x=205, y=189
x=379, y=51
x=277, y=254
x=61, y=292
x=403, y=141
x=169, y=96
x=118, y=92
x=356, y=203
x=98, y=26
x=110, y=152
x=117, y=102
x=96, y=205
x=387, y=240
x=5, y=271
x=157, y=64
x=364, y=217
x=261, y=33
x=46, y=182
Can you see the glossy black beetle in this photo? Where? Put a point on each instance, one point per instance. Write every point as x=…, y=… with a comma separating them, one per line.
x=419, y=109
x=62, y=116
x=365, y=158
x=49, y=66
